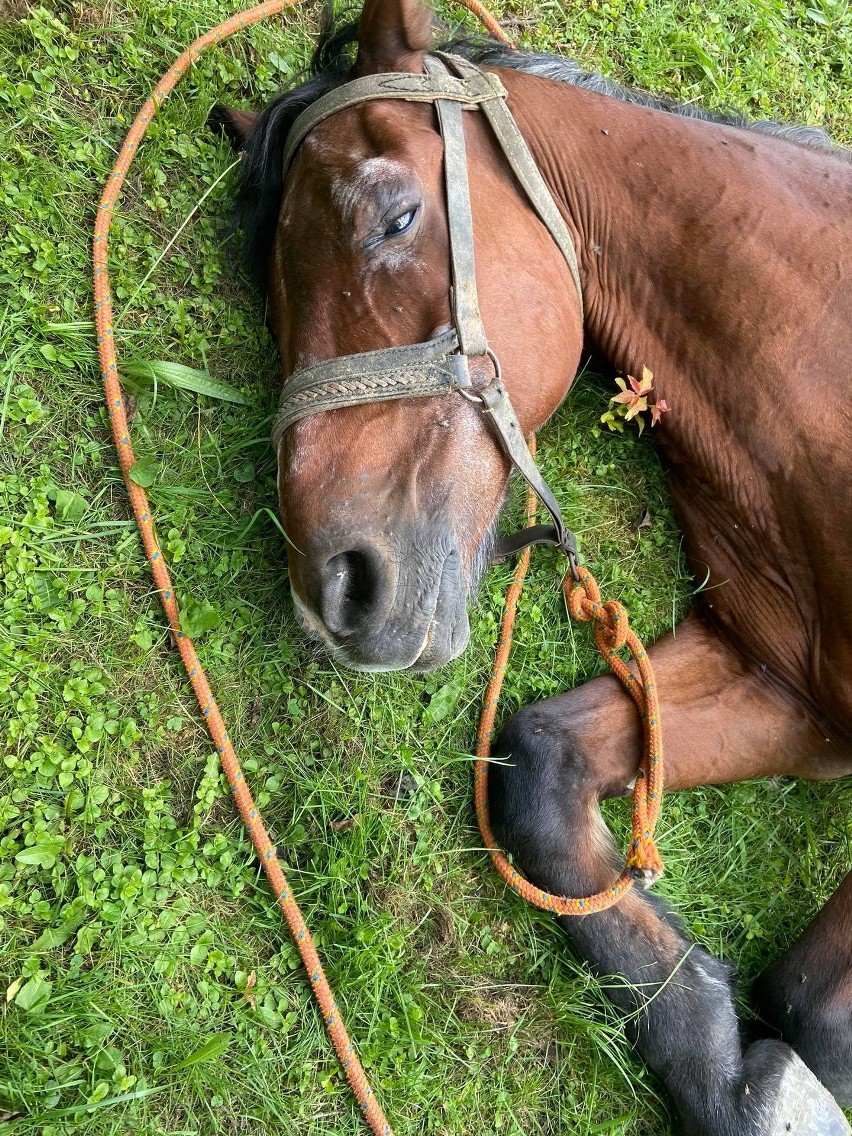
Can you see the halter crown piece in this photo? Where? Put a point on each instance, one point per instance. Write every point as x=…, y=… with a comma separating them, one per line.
x=440, y=365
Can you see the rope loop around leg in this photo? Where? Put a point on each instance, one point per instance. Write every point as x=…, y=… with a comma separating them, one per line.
x=643, y=863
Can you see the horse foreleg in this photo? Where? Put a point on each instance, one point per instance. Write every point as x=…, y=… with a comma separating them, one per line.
x=807, y=994
x=560, y=758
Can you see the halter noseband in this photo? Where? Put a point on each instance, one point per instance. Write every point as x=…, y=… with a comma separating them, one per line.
x=440, y=365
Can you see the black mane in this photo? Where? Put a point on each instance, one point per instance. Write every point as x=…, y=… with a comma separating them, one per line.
x=260, y=189
x=261, y=181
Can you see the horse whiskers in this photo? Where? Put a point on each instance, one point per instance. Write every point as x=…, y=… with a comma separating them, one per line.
x=480, y=562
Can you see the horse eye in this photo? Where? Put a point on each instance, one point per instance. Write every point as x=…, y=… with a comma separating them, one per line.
x=401, y=223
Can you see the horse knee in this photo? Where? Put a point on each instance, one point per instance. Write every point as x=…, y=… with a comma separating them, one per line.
x=537, y=778
x=816, y=1020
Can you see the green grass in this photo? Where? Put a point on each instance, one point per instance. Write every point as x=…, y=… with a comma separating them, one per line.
x=150, y=986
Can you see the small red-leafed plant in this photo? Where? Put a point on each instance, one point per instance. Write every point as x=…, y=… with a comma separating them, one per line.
x=632, y=401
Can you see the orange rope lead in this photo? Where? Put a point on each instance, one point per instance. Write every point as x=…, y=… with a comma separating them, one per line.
x=335, y=1028
x=251, y=817
x=612, y=632
x=485, y=18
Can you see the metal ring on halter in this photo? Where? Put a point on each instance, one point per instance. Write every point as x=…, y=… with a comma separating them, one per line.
x=498, y=370
x=471, y=396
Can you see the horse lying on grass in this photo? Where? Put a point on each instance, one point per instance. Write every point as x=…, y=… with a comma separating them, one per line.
x=717, y=253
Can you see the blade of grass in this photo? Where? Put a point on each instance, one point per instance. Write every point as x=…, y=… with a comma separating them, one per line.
x=184, y=378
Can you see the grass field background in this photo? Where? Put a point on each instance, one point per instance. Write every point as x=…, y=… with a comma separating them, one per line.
x=149, y=984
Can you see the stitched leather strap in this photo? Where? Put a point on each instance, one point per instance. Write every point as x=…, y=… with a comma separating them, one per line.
x=473, y=89
x=463, y=298
x=506, y=546
x=529, y=176
x=433, y=367
x=511, y=436
x=467, y=317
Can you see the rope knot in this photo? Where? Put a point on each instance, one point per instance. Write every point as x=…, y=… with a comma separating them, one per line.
x=584, y=597
x=646, y=874
x=584, y=604
x=646, y=877
x=613, y=624
x=644, y=863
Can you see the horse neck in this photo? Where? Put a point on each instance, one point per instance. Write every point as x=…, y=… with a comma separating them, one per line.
x=690, y=237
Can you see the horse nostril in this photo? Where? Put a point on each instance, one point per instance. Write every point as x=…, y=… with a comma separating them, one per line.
x=350, y=590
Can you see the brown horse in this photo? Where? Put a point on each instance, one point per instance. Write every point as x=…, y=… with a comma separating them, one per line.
x=718, y=254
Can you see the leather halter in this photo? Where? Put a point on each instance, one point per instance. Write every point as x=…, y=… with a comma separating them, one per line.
x=440, y=365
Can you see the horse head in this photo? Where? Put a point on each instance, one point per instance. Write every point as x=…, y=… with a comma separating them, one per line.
x=390, y=508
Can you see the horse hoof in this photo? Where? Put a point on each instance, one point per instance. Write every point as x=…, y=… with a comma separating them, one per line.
x=800, y=1105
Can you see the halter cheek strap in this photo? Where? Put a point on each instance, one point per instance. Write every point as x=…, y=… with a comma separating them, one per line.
x=441, y=365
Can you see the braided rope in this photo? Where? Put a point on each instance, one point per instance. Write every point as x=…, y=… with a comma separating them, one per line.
x=370, y=1108
x=612, y=632
x=485, y=18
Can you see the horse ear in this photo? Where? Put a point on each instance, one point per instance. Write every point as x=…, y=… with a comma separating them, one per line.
x=393, y=35
x=235, y=125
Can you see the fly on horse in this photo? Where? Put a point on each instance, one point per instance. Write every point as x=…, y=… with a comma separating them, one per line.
x=716, y=252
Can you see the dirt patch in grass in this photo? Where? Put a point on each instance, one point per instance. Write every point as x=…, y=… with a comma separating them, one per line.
x=14, y=9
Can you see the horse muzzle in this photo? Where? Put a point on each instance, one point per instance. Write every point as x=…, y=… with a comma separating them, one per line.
x=383, y=604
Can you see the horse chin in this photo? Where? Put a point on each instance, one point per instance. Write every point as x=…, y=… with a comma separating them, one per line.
x=442, y=644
